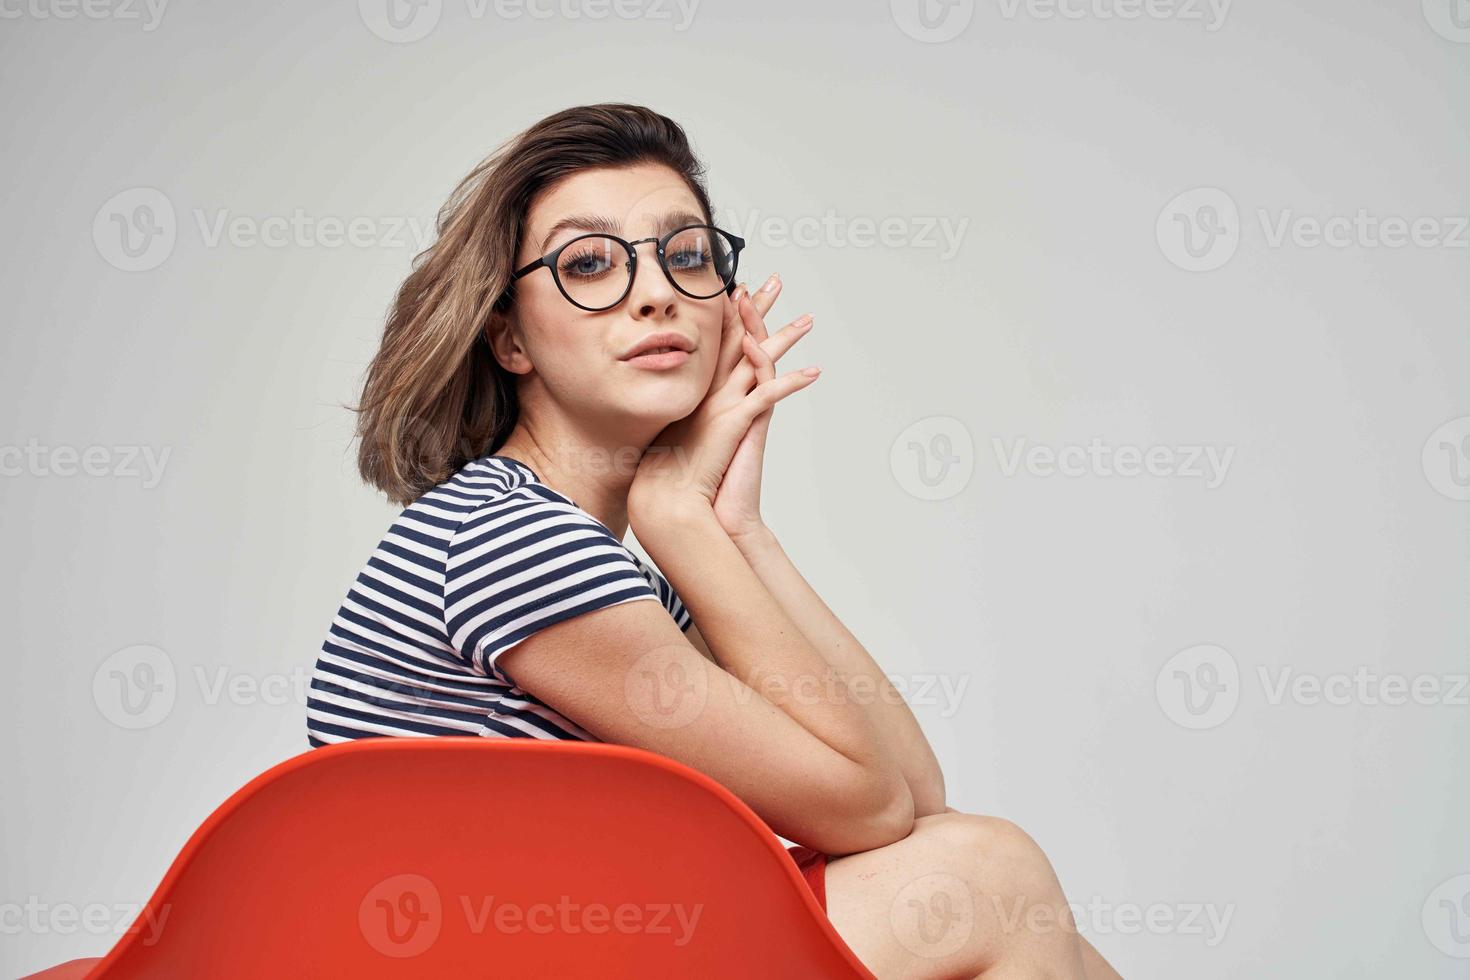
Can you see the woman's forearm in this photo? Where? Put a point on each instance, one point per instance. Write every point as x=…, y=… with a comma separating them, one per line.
x=867, y=682
x=755, y=641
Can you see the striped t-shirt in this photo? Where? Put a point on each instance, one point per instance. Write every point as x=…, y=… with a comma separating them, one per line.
x=468, y=570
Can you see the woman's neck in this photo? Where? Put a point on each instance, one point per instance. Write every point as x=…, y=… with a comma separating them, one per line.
x=594, y=477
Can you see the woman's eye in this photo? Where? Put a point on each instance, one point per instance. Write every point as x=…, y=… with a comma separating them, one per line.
x=590, y=264
x=688, y=259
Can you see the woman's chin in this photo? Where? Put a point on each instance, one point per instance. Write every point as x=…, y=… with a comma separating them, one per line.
x=664, y=407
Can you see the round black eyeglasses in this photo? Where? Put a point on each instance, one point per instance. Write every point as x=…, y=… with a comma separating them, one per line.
x=595, y=271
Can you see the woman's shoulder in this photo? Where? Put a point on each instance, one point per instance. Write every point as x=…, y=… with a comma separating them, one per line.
x=476, y=484
x=498, y=499
x=516, y=539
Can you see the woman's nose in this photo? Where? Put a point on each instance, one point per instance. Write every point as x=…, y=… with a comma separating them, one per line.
x=652, y=292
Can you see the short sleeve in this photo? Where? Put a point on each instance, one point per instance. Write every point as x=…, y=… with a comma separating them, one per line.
x=666, y=594
x=516, y=566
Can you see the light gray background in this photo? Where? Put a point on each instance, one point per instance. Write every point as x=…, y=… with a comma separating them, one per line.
x=1331, y=835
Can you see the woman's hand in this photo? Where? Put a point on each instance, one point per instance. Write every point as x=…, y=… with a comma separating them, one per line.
x=738, y=502
x=690, y=458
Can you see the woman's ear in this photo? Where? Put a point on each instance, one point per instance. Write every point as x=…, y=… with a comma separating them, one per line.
x=503, y=335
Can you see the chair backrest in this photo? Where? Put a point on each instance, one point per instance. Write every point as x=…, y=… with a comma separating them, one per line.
x=467, y=856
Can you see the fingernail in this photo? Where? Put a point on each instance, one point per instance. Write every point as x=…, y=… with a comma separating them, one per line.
x=812, y=371
x=770, y=284
x=804, y=322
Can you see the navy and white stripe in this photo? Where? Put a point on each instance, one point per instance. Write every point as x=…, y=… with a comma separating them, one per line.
x=468, y=570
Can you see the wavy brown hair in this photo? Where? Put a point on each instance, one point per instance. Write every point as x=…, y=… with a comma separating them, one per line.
x=434, y=396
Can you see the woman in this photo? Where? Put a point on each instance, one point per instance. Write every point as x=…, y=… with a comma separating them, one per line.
x=574, y=356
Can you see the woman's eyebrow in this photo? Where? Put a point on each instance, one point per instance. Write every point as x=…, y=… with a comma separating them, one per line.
x=582, y=222
x=677, y=219
x=607, y=226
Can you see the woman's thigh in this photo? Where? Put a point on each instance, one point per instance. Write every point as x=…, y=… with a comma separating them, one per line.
x=958, y=896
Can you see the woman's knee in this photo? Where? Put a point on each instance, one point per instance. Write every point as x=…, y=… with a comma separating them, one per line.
x=996, y=853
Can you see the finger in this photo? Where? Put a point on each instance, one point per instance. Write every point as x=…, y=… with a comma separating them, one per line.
x=753, y=318
x=757, y=358
x=755, y=366
x=776, y=346
x=768, y=393
x=765, y=297
x=731, y=330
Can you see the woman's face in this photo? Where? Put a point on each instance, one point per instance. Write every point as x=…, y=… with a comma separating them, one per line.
x=580, y=357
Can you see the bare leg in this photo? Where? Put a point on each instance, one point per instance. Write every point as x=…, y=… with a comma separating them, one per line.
x=961, y=896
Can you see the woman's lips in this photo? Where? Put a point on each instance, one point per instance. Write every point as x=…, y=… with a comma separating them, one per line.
x=659, y=362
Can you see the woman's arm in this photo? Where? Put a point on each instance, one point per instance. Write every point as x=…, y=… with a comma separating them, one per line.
x=815, y=769
x=884, y=704
x=737, y=507
x=752, y=636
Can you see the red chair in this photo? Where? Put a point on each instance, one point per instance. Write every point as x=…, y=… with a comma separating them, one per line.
x=467, y=856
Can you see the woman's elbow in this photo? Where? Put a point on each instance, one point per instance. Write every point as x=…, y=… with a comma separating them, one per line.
x=895, y=820
x=885, y=816
x=929, y=797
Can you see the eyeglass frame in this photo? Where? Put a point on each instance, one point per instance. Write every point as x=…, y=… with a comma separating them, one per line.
x=550, y=259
